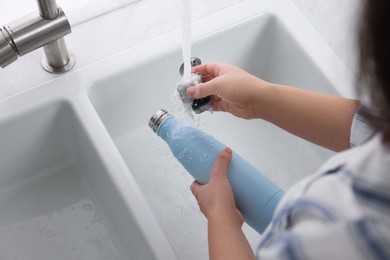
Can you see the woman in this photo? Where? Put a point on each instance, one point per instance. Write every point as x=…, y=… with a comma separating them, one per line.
x=343, y=210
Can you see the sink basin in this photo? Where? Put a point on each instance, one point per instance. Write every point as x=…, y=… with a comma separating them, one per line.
x=126, y=101
x=57, y=199
x=83, y=177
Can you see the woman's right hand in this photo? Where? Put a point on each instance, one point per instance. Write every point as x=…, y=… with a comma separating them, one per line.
x=319, y=118
x=231, y=89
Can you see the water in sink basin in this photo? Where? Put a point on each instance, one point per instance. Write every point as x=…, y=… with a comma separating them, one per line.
x=165, y=184
x=57, y=200
x=54, y=217
x=126, y=101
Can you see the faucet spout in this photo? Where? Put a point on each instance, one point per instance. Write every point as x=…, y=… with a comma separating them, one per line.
x=44, y=29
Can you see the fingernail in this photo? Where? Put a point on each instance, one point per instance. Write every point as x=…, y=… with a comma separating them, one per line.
x=191, y=90
x=228, y=150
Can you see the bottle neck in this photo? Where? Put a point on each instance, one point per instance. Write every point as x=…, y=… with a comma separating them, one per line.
x=167, y=128
x=157, y=119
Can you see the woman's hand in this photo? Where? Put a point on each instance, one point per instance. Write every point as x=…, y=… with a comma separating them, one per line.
x=230, y=88
x=216, y=199
x=319, y=118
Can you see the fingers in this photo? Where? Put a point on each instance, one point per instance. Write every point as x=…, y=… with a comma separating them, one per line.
x=208, y=69
x=195, y=186
x=221, y=165
x=239, y=216
x=219, y=170
x=210, y=73
x=216, y=197
x=200, y=91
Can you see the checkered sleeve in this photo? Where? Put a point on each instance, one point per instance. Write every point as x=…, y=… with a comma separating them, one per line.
x=361, y=131
x=358, y=239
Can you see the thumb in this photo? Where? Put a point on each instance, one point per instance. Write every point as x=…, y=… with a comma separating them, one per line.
x=203, y=89
x=221, y=165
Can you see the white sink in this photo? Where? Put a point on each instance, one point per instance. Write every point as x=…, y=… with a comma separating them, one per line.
x=58, y=200
x=125, y=101
x=83, y=176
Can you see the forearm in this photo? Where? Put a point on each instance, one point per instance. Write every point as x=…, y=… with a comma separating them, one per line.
x=226, y=240
x=319, y=118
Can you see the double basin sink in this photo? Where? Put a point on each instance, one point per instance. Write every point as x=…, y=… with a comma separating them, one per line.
x=83, y=177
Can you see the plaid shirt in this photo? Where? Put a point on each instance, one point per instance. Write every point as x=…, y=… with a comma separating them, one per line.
x=340, y=212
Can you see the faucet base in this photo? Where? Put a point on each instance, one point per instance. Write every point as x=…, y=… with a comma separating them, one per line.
x=58, y=70
x=44, y=29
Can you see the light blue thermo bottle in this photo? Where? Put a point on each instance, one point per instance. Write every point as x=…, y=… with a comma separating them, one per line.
x=256, y=196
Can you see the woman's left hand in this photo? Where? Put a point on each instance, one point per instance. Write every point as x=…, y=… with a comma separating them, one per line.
x=215, y=198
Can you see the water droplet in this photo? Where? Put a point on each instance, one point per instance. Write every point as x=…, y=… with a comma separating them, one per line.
x=50, y=233
x=87, y=207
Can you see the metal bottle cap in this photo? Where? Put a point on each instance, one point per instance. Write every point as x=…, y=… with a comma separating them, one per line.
x=157, y=119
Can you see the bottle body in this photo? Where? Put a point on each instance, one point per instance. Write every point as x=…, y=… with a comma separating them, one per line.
x=256, y=197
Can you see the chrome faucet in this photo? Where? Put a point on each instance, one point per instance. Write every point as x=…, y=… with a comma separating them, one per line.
x=46, y=29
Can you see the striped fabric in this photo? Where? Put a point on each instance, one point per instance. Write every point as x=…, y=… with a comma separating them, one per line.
x=361, y=132
x=340, y=212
